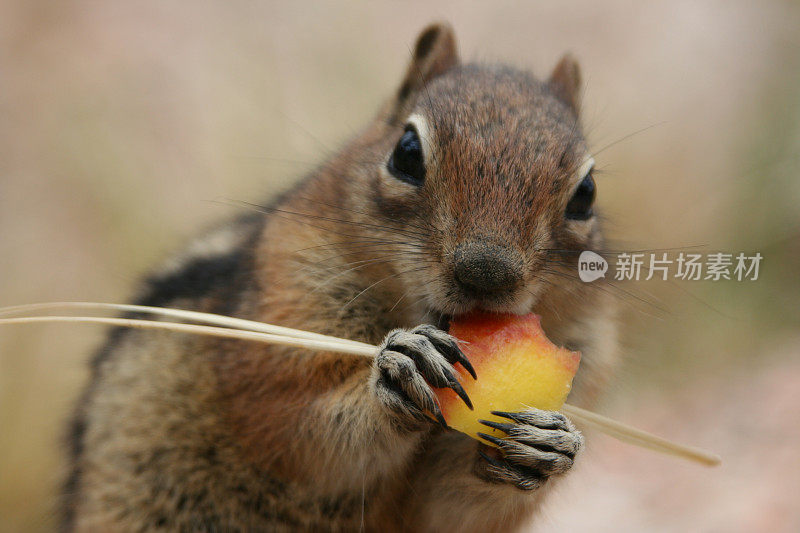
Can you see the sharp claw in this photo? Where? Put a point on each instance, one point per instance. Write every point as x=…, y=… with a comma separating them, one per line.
x=456, y=386
x=437, y=413
x=556, y=421
x=493, y=462
x=510, y=416
x=493, y=440
x=465, y=362
x=440, y=419
x=451, y=345
x=506, y=428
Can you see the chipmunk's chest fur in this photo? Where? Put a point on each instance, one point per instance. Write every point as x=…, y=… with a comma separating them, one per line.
x=160, y=440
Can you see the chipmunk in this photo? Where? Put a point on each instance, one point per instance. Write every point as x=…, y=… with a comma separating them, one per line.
x=471, y=189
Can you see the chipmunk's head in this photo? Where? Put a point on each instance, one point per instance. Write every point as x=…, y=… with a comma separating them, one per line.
x=487, y=171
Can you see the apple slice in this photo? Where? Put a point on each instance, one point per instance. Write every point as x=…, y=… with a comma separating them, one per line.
x=517, y=367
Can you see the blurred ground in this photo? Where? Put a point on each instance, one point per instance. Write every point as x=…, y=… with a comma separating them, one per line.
x=122, y=124
x=748, y=417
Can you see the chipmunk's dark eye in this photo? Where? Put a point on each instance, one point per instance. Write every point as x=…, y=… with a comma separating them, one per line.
x=406, y=163
x=580, y=205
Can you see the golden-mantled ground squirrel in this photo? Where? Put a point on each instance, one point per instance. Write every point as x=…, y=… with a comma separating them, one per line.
x=472, y=188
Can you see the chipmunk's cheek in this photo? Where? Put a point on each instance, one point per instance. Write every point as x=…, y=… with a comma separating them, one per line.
x=528, y=297
x=582, y=230
x=391, y=186
x=392, y=197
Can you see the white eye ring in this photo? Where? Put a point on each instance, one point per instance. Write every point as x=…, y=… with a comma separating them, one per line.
x=424, y=133
x=586, y=167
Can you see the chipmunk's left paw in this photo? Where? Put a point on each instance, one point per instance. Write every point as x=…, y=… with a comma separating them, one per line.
x=534, y=446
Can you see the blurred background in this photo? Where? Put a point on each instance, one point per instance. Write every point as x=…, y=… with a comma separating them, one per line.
x=123, y=125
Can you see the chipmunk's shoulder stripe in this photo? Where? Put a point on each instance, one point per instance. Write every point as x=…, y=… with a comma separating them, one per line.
x=206, y=260
x=217, y=260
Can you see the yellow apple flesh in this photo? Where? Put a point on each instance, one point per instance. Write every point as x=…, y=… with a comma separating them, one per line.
x=517, y=368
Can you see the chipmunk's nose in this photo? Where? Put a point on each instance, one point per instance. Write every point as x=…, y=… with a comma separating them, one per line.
x=485, y=268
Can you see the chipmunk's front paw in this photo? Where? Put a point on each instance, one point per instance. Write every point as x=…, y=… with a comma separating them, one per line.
x=533, y=446
x=409, y=363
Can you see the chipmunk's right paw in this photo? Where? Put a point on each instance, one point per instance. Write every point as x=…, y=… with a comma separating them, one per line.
x=409, y=363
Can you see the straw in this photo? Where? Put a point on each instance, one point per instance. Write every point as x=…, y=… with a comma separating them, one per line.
x=271, y=334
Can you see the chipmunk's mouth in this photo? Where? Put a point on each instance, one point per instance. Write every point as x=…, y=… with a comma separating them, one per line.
x=442, y=320
x=447, y=301
x=518, y=304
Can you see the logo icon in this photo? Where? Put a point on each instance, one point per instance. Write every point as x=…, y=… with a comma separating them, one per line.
x=591, y=266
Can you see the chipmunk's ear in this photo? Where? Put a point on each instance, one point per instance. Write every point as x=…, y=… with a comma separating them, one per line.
x=435, y=53
x=565, y=82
